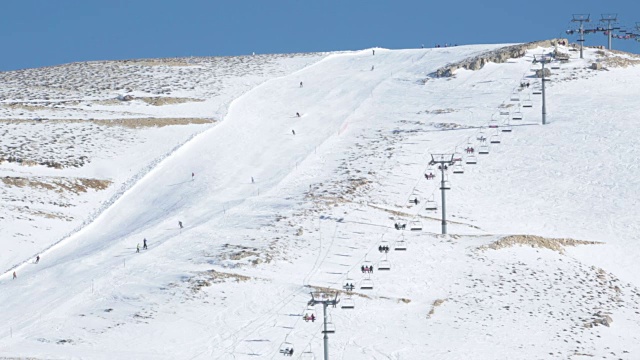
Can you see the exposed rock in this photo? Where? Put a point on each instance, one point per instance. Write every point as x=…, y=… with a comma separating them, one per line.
x=536, y=242
x=496, y=56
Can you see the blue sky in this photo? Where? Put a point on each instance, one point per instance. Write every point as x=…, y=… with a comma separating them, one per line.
x=36, y=33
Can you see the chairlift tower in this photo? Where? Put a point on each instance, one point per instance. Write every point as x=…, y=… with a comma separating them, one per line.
x=581, y=18
x=543, y=59
x=443, y=160
x=325, y=299
x=609, y=18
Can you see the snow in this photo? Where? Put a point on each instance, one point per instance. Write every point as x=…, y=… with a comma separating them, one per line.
x=235, y=281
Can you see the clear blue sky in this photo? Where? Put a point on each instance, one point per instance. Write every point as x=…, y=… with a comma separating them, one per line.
x=36, y=33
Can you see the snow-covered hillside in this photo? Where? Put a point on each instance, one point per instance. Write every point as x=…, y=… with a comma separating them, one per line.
x=538, y=263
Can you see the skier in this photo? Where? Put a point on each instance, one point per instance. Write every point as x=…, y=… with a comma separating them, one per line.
x=252, y=181
x=300, y=83
x=298, y=114
x=37, y=259
x=138, y=248
x=371, y=67
x=374, y=52
x=144, y=244
x=291, y=352
x=192, y=175
x=14, y=275
x=293, y=131
x=180, y=224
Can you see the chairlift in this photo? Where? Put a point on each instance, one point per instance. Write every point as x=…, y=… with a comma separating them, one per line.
x=555, y=65
x=431, y=205
x=471, y=160
x=384, y=265
x=307, y=355
x=493, y=123
x=415, y=225
x=458, y=168
x=331, y=328
x=310, y=310
x=446, y=185
x=286, y=348
x=537, y=91
x=347, y=302
x=401, y=245
x=384, y=244
x=506, y=127
x=495, y=139
x=366, y=284
x=483, y=149
x=514, y=97
x=414, y=200
x=517, y=115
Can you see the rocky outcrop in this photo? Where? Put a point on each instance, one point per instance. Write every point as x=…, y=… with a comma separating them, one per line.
x=496, y=56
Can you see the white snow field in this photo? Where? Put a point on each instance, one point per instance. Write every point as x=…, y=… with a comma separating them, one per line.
x=539, y=262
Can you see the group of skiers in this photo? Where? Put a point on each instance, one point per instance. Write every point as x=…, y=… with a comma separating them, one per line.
x=429, y=176
x=470, y=150
x=383, y=248
x=366, y=269
x=399, y=226
x=287, y=352
x=308, y=318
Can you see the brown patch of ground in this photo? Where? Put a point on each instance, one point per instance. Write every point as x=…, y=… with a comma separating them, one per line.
x=536, y=242
x=73, y=185
x=159, y=101
x=130, y=123
x=435, y=304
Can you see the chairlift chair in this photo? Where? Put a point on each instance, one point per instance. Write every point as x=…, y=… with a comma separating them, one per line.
x=495, y=139
x=414, y=200
x=331, y=328
x=401, y=245
x=458, y=168
x=493, y=123
x=527, y=102
x=483, y=149
x=471, y=160
x=514, y=97
x=384, y=265
x=446, y=185
x=307, y=355
x=506, y=127
x=285, y=348
x=431, y=205
x=517, y=115
x=415, y=225
x=366, y=284
x=537, y=91
x=310, y=310
x=347, y=302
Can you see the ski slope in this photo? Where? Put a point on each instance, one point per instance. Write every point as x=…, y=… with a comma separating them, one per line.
x=235, y=281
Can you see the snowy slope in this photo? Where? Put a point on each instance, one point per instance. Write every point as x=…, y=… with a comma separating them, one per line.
x=234, y=282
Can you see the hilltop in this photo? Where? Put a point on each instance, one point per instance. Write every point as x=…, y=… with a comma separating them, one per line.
x=538, y=263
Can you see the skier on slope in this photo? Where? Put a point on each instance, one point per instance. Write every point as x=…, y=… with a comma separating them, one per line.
x=293, y=131
x=138, y=248
x=15, y=275
x=144, y=244
x=300, y=83
x=180, y=224
x=37, y=259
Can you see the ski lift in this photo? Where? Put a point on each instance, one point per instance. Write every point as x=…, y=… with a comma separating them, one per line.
x=495, y=139
x=331, y=328
x=493, y=123
x=506, y=127
x=307, y=355
x=537, y=91
x=384, y=244
x=555, y=65
x=483, y=149
x=401, y=245
x=431, y=204
x=527, y=102
x=471, y=160
x=384, y=265
x=504, y=112
x=515, y=96
x=415, y=225
x=366, y=284
x=286, y=348
x=458, y=169
x=348, y=284
x=309, y=311
x=347, y=302
x=446, y=185
x=517, y=115
x=414, y=200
